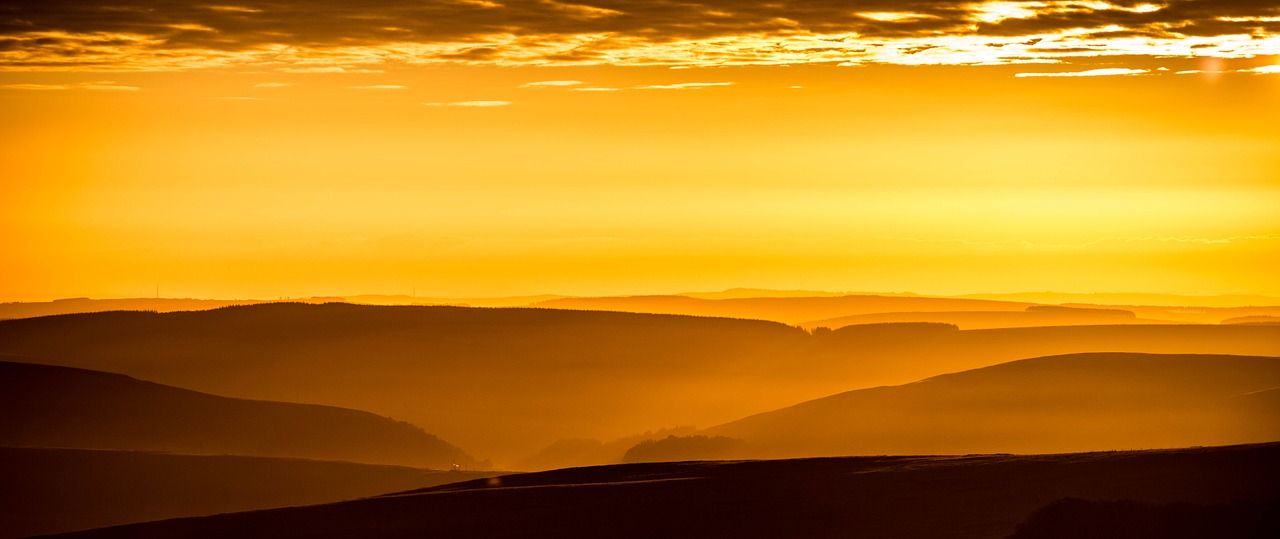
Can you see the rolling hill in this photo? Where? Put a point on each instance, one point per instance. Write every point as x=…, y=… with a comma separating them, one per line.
x=788, y=310
x=1033, y=316
x=60, y=490
x=48, y=406
x=506, y=383
x=866, y=497
x=1065, y=403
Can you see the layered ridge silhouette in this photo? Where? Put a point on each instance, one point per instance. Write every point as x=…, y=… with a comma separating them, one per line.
x=1033, y=316
x=49, y=406
x=844, y=309
x=59, y=490
x=506, y=383
x=1049, y=404
x=870, y=497
x=789, y=310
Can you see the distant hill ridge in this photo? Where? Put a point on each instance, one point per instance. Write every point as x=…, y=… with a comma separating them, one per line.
x=49, y=406
x=1063, y=403
x=506, y=383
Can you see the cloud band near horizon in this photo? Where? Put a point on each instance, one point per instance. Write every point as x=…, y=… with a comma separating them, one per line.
x=180, y=34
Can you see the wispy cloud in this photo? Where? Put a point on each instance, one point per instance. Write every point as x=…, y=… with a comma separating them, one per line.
x=1264, y=70
x=684, y=86
x=1260, y=70
x=38, y=87
x=233, y=9
x=272, y=85
x=108, y=86
x=304, y=36
x=1103, y=72
x=102, y=86
x=551, y=84
x=380, y=87
x=473, y=104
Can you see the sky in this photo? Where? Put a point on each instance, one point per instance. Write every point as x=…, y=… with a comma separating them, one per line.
x=481, y=148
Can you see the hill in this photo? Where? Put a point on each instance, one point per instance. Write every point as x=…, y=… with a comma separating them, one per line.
x=506, y=383
x=1049, y=404
x=867, y=497
x=1033, y=316
x=47, y=406
x=60, y=490
x=13, y=310
x=788, y=310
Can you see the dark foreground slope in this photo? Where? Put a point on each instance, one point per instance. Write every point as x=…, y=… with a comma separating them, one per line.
x=59, y=490
x=1079, y=402
x=505, y=383
x=47, y=406
x=868, y=497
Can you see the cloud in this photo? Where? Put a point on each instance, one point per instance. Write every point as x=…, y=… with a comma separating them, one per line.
x=551, y=83
x=684, y=86
x=472, y=104
x=1260, y=70
x=1104, y=72
x=380, y=87
x=305, y=36
x=108, y=86
x=272, y=85
x=102, y=86
x=37, y=87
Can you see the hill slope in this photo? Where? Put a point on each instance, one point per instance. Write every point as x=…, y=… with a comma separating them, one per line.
x=789, y=310
x=1034, y=316
x=866, y=497
x=47, y=406
x=507, y=382
x=59, y=490
x=1048, y=404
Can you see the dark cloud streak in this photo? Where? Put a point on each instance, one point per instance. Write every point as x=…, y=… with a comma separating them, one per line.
x=53, y=31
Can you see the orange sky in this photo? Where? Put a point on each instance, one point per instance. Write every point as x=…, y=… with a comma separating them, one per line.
x=341, y=164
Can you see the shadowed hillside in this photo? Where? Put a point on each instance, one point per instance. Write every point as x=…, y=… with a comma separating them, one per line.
x=58, y=490
x=1072, y=518
x=1049, y=404
x=46, y=406
x=865, y=497
x=505, y=383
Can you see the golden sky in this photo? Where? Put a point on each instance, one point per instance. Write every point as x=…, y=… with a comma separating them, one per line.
x=288, y=148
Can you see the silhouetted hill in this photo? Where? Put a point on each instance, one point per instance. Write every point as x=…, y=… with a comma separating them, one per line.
x=1033, y=316
x=1118, y=299
x=887, y=354
x=59, y=490
x=572, y=452
x=505, y=383
x=695, y=447
x=809, y=311
x=1072, y=518
x=47, y=406
x=865, y=497
x=789, y=310
x=87, y=305
x=1048, y=404
x=1253, y=320
x=501, y=382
